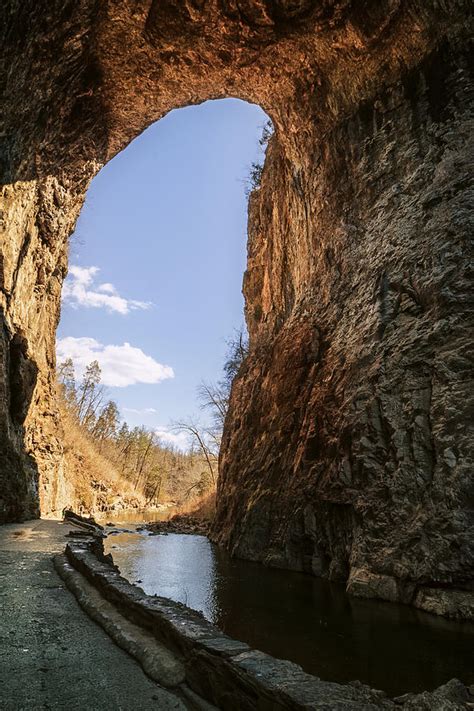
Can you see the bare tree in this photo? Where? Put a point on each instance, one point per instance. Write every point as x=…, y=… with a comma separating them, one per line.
x=199, y=436
x=215, y=396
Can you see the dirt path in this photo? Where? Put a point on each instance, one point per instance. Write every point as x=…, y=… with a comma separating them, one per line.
x=52, y=656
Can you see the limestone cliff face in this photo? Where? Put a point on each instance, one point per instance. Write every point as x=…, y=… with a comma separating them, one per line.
x=345, y=449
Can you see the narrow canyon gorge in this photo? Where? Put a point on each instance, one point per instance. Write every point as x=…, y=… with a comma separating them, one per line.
x=346, y=450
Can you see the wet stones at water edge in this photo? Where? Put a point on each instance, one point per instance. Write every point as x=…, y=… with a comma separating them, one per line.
x=180, y=523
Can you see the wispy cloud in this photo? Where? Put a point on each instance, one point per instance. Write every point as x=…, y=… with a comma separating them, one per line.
x=80, y=290
x=144, y=411
x=120, y=365
x=166, y=436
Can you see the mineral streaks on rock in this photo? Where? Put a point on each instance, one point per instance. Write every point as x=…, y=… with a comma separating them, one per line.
x=345, y=451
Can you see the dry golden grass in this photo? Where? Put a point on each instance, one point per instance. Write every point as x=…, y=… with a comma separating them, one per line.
x=93, y=482
x=202, y=508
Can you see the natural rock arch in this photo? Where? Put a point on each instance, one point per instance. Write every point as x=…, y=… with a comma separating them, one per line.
x=345, y=450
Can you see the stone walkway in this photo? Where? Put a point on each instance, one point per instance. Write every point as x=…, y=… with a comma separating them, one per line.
x=52, y=656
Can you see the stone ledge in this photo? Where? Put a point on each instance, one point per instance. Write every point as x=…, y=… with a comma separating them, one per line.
x=226, y=672
x=452, y=603
x=156, y=660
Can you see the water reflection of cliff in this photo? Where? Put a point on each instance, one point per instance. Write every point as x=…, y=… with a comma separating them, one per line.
x=299, y=617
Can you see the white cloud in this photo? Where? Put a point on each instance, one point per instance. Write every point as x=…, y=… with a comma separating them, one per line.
x=180, y=440
x=79, y=290
x=120, y=365
x=107, y=288
x=145, y=411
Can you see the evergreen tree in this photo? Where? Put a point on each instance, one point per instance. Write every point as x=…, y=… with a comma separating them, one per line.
x=67, y=380
x=90, y=395
x=107, y=422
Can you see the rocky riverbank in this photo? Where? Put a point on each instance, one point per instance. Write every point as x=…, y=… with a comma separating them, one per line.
x=180, y=523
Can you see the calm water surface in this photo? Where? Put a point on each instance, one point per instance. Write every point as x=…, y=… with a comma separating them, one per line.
x=295, y=616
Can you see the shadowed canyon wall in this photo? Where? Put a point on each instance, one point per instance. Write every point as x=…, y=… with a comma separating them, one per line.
x=345, y=450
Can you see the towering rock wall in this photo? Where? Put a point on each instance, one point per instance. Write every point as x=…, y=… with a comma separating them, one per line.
x=345, y=449
x=347, y=452
x=50, y=143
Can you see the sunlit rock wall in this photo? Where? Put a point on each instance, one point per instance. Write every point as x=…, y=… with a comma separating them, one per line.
x=48, y=128
x=345, y=450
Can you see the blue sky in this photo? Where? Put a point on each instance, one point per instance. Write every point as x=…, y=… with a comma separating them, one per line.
x=157, y=259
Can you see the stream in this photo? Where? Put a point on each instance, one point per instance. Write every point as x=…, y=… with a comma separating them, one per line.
x=298, y=617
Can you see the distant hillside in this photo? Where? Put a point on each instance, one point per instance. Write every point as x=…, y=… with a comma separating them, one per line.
x=109, y=466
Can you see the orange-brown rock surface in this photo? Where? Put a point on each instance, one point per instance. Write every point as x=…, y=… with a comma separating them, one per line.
x=346, y=447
